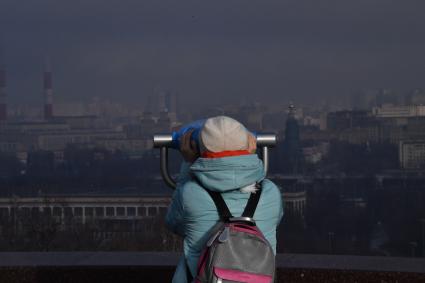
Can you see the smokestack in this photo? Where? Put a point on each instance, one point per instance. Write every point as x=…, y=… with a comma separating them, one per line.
x=3, y=95
x=48, y=91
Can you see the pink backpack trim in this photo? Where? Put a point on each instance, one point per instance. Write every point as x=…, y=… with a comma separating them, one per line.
x=241, y=276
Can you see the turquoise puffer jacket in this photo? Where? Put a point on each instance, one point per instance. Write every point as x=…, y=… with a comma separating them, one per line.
x=192, y=212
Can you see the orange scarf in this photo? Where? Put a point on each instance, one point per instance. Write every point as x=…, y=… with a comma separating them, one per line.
x=226, y=153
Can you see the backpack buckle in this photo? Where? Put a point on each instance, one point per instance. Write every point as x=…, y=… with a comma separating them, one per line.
x=224, y=236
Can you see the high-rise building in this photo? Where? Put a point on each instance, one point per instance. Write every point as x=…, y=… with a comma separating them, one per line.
x=3, y=95
x=161, y=105
x=171, y=105
x=171, y=102
x=291, y=144
x=48, y=91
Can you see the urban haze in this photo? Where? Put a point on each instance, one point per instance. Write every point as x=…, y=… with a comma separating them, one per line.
x=232, y=51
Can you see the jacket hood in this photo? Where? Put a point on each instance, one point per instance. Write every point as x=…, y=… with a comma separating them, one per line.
x=228, y=173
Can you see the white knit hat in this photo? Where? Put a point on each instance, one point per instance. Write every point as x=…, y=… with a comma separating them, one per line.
x=223, y=133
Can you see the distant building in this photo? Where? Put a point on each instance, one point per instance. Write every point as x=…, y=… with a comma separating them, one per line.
x=363, y=100
x=294, y=194
x=323, y=121
x=164, y=101
x=387, y=97
x=14, y=146
x=171, y=102
x=3, y=94
x=312, y=121
x=341, y=120
x=106, y=211
x=48, y=91
x=412, y=154
x=35, y=127
x=295, y=202
x=361, y=135
x=367, y=99
x=161, y=104
x=314, y=154
x=134, y=148
x=81, y=122
x=59, y=141
x=164, y=123
x=415, y=97
x=53, y=135
x=146, y=127
x=291, y=145
x=251, y=115
x=399, y=111
x=274, y=121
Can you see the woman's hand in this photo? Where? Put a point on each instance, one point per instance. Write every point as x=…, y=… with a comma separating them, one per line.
x=188, y=148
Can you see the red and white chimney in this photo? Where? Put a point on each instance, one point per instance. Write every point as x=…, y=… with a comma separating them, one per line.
x=3, y=94
x=48, y=91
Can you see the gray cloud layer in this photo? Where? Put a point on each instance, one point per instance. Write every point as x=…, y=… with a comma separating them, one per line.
x=302, y=50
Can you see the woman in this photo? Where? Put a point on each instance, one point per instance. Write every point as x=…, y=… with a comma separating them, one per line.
x=227, y=163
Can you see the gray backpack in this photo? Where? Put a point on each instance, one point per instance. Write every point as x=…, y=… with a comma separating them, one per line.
x=237, y=251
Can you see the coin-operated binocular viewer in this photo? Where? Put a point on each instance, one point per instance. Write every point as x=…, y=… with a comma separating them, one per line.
x=166, y=141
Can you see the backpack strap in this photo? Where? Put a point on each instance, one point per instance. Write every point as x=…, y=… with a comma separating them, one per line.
x=220, y=204
x=252, y=202
x=222, y=208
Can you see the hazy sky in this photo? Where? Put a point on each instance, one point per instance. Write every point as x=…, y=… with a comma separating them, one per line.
x=212, y=51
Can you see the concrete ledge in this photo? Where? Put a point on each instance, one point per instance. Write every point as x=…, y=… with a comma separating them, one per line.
x=122, y=267
x=354, y=263
x=87, y=259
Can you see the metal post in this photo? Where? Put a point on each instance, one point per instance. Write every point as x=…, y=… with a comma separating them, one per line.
x=164, y=168
x=265, y=158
